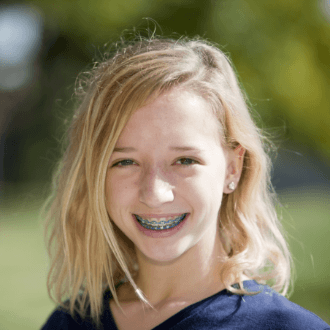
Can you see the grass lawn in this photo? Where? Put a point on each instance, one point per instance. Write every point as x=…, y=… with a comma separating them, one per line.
x=306, y=218
x=24, y=302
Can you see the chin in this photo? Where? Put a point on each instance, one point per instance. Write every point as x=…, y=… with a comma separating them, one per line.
x=159, y=256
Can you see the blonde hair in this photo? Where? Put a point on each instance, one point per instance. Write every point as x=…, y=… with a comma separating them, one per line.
x=88, y=252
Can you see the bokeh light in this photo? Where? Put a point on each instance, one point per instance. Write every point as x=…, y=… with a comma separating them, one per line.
x=20, y=41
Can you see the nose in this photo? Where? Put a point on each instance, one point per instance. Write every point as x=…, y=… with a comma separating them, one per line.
x=155, y=190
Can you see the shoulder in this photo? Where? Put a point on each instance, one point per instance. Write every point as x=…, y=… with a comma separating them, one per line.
x=62, y=319
x=275, y=311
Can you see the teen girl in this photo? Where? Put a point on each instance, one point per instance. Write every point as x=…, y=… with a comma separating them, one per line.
x=163, y=213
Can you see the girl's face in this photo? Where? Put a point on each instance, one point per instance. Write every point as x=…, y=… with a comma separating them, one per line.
x=169, y=169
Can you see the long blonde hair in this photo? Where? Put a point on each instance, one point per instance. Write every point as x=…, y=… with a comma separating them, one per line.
x=88, y=252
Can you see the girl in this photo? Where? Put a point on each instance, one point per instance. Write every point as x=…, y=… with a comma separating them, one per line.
x=163, y=211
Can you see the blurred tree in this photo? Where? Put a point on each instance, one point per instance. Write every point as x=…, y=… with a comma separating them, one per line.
x=281, y=51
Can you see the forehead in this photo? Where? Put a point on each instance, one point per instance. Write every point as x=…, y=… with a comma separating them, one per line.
x=172, y=116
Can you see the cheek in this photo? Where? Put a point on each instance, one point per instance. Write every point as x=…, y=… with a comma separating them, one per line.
x=206, y=189
x=118, y=193
x=117, y=202
x=197, y=191
x=217, y=183
x=112, y=195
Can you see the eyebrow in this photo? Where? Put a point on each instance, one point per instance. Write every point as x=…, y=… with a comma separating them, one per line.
x=127, y=149
x=185, y=148
x=175, y=148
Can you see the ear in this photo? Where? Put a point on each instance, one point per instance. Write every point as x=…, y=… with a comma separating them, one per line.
x=235, y=159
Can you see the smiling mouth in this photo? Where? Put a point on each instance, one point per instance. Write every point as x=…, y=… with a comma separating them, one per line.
x=162, y=225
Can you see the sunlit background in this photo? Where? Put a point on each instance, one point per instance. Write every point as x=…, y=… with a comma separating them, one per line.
x=280, y=50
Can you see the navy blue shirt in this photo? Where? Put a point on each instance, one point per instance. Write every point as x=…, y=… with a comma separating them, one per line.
x=223, y=310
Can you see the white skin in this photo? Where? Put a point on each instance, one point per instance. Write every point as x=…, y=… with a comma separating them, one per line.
x=183, y=268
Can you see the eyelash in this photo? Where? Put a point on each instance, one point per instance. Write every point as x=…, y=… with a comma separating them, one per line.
x=130, y=160
x=186, y=158
x=125, y=160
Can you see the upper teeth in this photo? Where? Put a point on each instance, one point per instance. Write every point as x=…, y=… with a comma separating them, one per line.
x=161, y=221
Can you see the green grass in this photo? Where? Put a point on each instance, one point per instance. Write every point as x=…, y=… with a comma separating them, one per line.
x=306, y=219
x=24, y=302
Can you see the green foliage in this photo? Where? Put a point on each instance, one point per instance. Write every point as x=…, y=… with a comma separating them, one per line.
x=280, y=50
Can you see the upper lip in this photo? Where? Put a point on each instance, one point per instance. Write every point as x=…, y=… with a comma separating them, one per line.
x=159, y=216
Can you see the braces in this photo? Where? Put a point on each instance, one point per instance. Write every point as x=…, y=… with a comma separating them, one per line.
x=154, y=225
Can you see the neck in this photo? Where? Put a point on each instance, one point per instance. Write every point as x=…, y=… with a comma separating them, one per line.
x=193, y=276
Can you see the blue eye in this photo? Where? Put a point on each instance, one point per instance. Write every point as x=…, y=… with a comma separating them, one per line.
x=187, y=161
x=123, y=163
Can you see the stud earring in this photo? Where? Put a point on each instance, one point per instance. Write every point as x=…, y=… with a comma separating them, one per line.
x=231, y=186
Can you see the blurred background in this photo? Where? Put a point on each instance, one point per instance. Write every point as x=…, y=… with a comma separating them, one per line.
x=280, y=50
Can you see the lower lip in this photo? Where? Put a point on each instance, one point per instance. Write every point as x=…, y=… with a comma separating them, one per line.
x=160, y=233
